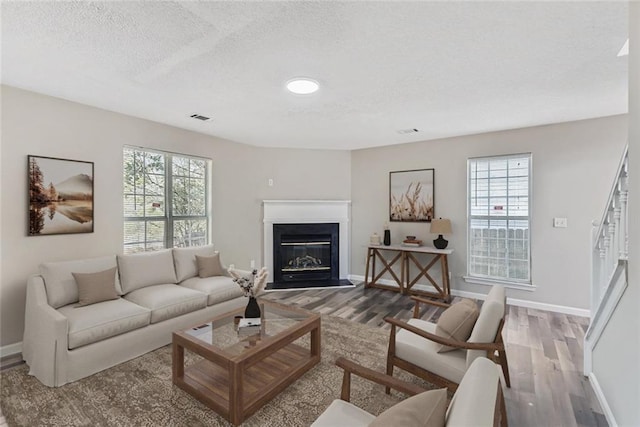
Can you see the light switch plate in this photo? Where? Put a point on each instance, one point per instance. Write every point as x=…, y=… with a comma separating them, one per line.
x=560, y=222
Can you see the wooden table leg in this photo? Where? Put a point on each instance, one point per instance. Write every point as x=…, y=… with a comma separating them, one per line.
x=178, y=361
x=444, y=266
x=366, y=270
x=316, y=341
x=236, y=405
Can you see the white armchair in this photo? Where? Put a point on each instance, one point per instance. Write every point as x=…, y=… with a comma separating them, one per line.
x=415, y=348
x=478, y=401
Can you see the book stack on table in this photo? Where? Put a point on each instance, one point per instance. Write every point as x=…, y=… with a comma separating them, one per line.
x=249, y=326
x=411, y=241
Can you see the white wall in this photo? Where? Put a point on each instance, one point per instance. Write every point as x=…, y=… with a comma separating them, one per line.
x=573, y=168
x=46, y=126
x=616, y=357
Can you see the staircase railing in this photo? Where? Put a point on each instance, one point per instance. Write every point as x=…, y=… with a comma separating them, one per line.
x=610, y=250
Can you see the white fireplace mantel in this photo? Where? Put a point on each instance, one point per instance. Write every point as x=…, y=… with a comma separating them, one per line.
x=307, y=211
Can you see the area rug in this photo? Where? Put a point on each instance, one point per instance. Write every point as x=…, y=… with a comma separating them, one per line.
x=140, y=392
x=308, y=285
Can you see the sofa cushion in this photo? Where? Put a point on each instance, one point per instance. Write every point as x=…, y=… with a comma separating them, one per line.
x=341, y=413
x=107, y=319
x=474, y=403
x=146, y=269
x=424, y=353
x=217, y=288
x=456, y=322
x=59, y=282
x=185, y=260
x=96, y=287
x=167, y=301
x=209, y=266
x=422, y=410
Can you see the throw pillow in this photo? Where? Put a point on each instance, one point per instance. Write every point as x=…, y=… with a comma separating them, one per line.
x=209, y=266
x=96, y=287
x=426, y=409
x=456, y=322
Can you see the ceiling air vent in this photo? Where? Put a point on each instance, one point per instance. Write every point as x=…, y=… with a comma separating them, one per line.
x=405, y=131
x=199, y=117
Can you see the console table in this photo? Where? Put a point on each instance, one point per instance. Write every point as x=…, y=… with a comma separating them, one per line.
x=400, y=262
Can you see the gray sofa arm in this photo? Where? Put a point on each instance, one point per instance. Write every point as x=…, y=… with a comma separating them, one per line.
x=44, y=343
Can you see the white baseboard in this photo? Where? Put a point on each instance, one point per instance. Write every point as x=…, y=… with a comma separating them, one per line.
x=603, y=401
x=11, y=349
x=574, y=311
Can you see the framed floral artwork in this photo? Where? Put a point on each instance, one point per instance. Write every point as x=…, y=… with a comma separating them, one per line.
x=411, y=196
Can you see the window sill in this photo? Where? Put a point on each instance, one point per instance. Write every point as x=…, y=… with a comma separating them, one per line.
x=506, y=284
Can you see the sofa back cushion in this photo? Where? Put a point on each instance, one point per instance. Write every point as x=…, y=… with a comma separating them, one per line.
x=185, y=260
x=486, y=327
x=59, y=282
x=146, y=269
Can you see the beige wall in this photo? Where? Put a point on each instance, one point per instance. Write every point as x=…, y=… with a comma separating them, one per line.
x=46, y=126
x=573, y=168
x=616, y=355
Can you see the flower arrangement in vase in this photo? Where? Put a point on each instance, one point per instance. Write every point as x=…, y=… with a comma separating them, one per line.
x=252, y=286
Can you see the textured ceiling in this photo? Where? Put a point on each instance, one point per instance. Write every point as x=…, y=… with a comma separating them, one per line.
x=445, y=68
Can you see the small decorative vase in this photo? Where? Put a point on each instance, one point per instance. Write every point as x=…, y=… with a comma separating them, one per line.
x=253, y=309
x=387, y=237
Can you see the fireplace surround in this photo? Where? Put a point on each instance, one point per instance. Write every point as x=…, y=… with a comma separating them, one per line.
x=304, y=213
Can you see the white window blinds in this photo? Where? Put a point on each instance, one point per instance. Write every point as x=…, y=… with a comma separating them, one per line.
x=499, y=218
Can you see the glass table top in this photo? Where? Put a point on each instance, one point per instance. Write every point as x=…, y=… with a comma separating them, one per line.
x=223, y=333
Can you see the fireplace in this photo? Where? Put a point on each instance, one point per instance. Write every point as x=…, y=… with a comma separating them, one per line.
x=306, y=212
x=303, y=252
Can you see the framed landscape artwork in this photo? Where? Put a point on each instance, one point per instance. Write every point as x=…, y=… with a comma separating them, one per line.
x=60, y=196
x=411, y=195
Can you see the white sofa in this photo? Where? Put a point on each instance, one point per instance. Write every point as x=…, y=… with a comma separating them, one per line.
x=160, y=292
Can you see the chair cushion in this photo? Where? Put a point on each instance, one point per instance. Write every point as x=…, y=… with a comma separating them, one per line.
x=146, y=269
x=209, y=266
x=59, y=282
x=185, y=260
x=217, y=288
x=474, y=402
x=424, y=353
x=167, y=301
x=341, y=413
x=107, y=319
x=486, y=326
x=456, y=322
x=422, y=410
x=96, y=287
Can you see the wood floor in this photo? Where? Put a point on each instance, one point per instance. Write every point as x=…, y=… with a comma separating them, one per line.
x=544, y=350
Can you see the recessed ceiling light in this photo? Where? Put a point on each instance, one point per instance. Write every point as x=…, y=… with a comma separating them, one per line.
x=625, y=49
x=302, y=86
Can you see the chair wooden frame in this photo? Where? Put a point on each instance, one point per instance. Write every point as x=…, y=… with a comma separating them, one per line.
x=495, y=350
x=350, y=367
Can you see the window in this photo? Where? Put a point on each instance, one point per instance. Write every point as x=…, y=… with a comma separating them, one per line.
x=499, y=218
x=165, y=200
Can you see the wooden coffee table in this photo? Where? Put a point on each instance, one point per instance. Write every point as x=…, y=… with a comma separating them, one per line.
x=236, y=375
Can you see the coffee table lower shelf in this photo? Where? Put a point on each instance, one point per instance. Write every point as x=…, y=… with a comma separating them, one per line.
x=255, y=384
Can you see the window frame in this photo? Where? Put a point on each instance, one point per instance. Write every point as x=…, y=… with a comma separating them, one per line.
x=525, y=284
x=169, y=218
